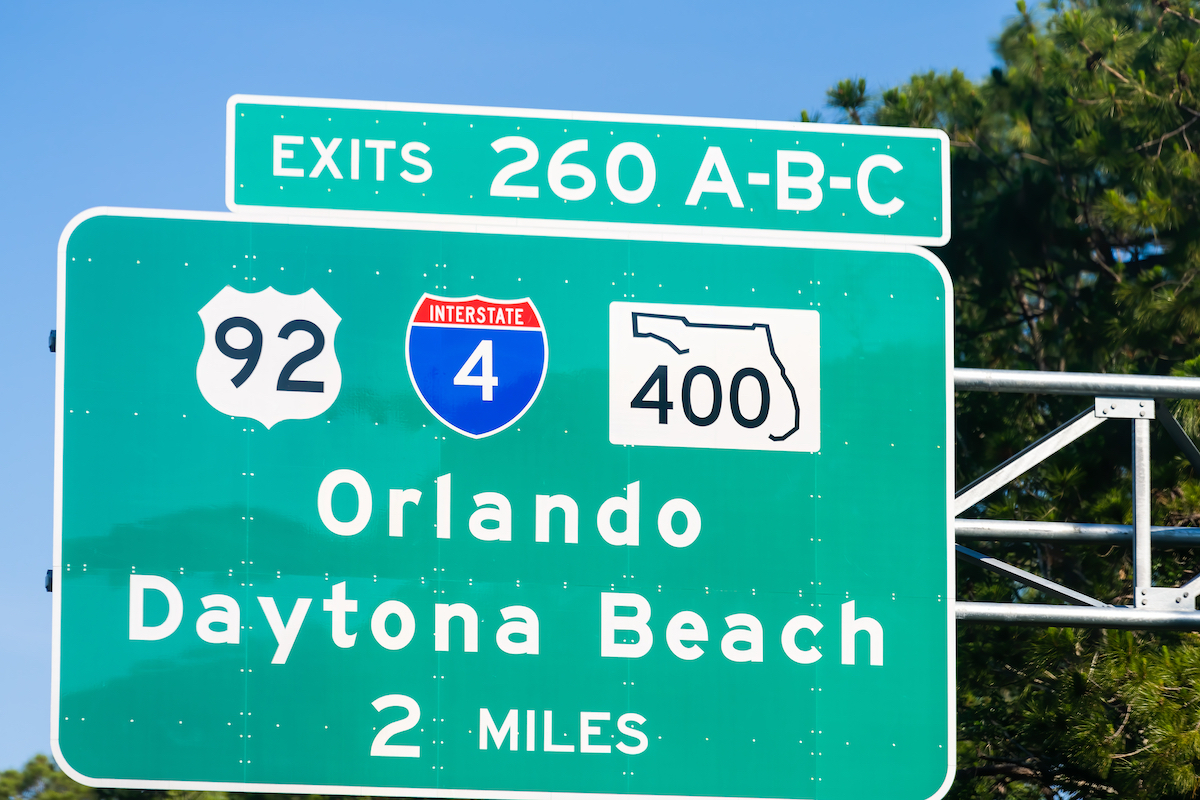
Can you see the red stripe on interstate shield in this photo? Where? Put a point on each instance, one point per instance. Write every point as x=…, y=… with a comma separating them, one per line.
x=481, y=311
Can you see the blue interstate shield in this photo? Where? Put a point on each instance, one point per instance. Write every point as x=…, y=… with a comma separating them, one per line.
x=476, y=363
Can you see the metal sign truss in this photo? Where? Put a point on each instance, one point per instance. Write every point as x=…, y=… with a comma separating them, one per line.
x=1137, y=398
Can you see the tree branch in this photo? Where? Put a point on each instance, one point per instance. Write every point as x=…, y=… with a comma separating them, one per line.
x=1166, y=136
x=1008, y=770
x=1165, y=5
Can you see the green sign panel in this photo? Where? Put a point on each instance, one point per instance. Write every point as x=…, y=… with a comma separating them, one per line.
x=588, y=172
x=431, y=513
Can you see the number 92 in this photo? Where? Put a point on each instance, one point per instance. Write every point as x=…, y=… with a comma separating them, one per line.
x=252, y=352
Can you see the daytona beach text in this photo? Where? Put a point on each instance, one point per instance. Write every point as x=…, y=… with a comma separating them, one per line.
x=520, y=633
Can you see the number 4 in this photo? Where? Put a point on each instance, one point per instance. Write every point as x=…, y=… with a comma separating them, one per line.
x=485, y=380
x=662, y=404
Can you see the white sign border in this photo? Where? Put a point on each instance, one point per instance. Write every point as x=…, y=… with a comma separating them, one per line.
x=454, y=225
x=484, y=223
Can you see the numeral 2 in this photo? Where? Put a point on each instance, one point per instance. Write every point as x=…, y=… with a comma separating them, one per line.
x=380, y=746
x=500, y=184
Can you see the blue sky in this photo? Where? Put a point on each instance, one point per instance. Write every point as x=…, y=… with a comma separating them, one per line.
x=122, y=104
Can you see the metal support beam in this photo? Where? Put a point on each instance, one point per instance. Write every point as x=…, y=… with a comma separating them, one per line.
x=1020, y=530
x=1141, y=510
x=1118, y=617
x=1176, y=432
x=1138, y=398
x=1081, y=383
x=1025, y=460
x=1028, y=578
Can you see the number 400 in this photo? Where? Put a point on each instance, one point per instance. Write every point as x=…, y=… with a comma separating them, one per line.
x=662, y=405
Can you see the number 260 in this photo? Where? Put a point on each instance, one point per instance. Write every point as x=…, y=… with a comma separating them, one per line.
x=559, y=168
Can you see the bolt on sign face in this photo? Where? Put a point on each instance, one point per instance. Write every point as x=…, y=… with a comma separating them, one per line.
x=433, y=513
x=406, y=162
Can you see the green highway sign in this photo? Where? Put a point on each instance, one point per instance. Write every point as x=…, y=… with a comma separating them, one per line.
x=588, y=172
x=434, y=513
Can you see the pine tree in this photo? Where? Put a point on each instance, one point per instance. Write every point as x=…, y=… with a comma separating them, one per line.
x=1075, y=246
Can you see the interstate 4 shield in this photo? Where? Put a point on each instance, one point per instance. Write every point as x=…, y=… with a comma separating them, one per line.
x=477, y=363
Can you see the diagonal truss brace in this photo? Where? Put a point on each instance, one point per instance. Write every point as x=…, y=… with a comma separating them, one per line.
x=1022, y=462
x=1177, y=434
x=1028, y=578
